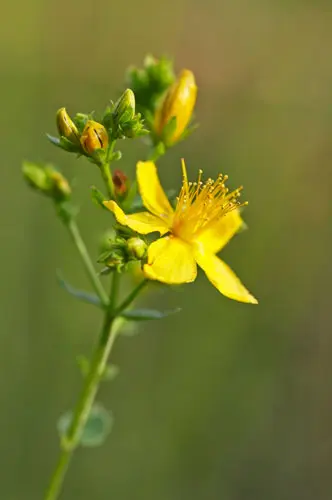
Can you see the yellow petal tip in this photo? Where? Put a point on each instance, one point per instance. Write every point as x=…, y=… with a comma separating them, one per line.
x=109, y=204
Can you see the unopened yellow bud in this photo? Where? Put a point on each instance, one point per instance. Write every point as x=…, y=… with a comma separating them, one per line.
x=137, y=247
x=179, y=103
x=94, y=137
x=66, y=126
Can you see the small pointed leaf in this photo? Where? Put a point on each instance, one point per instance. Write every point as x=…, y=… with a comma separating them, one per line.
x=79, y=294
x=97, y=197
x=96, y=430
x=147, y=314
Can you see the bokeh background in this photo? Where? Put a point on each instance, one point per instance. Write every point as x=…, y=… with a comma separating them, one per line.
x=223, y=401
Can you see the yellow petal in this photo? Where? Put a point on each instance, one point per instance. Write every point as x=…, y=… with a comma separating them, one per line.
x=153, y=195
x=171, y=261
x=142, y=222
x=223, y=278
x=218, y=234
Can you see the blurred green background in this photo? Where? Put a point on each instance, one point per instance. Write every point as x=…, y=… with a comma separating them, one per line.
x=224, y=401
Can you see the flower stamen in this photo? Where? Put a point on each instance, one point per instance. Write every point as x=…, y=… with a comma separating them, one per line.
x=201, y=203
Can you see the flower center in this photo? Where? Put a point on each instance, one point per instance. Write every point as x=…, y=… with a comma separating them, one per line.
x=200, y=204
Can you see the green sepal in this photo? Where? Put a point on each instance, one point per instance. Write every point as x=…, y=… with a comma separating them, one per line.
x=81, y=119
x=116, y=156
x=147, y=314
x=65, y=144
x=81, y=295
x=168, y=131
x=97, y=197
x=98, y=425
x=188, y=131
x=159, y=150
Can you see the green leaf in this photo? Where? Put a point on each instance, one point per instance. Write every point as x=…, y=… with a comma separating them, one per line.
x=78, y=294
x=97, y=197
x=147, y=314
x=96, y=430
x=111, y=371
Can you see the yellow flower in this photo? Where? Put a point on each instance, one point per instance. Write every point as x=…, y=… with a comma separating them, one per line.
x=94, y=137
x=179, y=102
x=206, y=217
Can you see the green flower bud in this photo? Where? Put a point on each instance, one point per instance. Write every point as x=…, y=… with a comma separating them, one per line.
x=66, y=126
x=47, y=180
x=137, y=247
x=124, y=109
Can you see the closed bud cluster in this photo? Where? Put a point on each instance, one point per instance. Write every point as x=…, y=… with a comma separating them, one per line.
x=47, y=180
x=118, y=251
x=122, y=119
x=150, y=82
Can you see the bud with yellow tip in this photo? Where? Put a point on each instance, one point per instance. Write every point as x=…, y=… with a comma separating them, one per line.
x=47, y=180
x=124, y=109
x=66, y=126
x=137, y=247
x=94, y=137
x=176, y=109
x=61, y=188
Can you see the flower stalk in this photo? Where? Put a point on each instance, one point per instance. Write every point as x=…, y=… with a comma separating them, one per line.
x=192, y=229
x=75, y=234
x=71, y=441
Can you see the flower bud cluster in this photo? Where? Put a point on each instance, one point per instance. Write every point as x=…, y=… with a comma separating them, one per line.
x=118, y=251
x=47, y=180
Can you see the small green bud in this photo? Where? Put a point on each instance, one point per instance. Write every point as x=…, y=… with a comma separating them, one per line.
x=66, y=126
x=35, y=176
x=47, y=180
x=116, y=259
x=137, y=247
x=150, y=82
x=124, y=108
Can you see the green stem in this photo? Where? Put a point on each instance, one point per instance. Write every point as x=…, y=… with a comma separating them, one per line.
x=106, y=172
x=114, y=291
x=156, y=152
x=91, y=272
x=83, y=407
x=131, y=297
